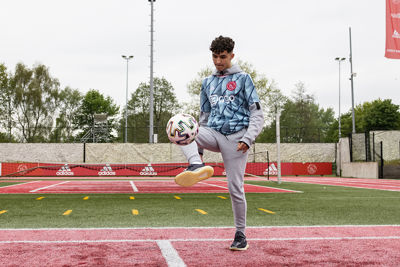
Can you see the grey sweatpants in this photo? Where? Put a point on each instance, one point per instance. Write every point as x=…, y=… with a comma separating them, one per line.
x=234, y=162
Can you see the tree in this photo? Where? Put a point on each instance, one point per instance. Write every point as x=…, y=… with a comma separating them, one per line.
x=165, y=105
x=376, y=115
x=95, y=103
x=35, y=98
x=346, y=121
x=301, y=120
x=194, y=89
x=382, y=115
x=70, y=101
x=6, y=121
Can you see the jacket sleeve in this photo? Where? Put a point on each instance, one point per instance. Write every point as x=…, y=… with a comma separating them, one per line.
x=255, y=125
x=205, y=108
x=203, y=118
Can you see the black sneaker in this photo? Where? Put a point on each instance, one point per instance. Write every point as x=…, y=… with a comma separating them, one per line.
x=239, y=243
x=194, y=174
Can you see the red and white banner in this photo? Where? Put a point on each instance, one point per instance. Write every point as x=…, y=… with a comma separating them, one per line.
x=163, y=169
x=392, y=29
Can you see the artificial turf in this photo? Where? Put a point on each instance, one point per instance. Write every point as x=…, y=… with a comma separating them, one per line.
x=316, y=205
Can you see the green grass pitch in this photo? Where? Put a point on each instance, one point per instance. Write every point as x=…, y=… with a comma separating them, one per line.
x=316, y=205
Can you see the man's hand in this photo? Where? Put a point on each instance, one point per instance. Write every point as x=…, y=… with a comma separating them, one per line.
x=242, y=146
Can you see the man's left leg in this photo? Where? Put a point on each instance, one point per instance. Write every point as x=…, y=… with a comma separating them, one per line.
x=235, y=166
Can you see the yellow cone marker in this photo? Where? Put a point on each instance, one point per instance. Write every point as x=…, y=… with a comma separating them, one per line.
x=3, y=211
x=177, y=197
x=221, y=197
x=131, y=197
x=85, y=198
x=39, y=198
x=135, y=212
x=267, y=211
x=201, y=211
x=68, y=212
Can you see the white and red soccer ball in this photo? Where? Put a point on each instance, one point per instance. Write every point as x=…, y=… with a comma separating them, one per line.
x=182, y=129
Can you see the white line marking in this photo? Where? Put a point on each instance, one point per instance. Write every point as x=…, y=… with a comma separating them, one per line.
x=288, y=190
x=134, y=187
x=170, y=254
x=341, y=183
x=214, y=185
x=45, y=187
x=18, y=184
x=170, y=247
x=204, y=227
x=275, y=188
x=346, y=185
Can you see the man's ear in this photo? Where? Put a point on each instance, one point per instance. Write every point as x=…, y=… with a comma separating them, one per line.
x=232, y=55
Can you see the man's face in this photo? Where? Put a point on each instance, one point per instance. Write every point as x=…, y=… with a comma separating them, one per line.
x=222, y=60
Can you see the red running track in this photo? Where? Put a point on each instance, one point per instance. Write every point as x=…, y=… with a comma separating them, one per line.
x=94, y=186
x=269, y=246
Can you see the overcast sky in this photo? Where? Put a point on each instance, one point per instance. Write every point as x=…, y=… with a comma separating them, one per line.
x=287, y=41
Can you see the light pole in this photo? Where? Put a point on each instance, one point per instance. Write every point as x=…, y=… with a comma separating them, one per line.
x=340, y=59
x=127, y=58
x=352, y=75
x=151, y=108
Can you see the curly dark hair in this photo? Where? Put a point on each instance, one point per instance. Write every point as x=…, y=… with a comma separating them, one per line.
x=221, y=44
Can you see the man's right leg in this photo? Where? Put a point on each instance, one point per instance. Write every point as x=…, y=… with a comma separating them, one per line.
x=197, y=171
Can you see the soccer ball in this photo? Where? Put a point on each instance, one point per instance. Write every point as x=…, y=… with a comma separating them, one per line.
x=182, y=129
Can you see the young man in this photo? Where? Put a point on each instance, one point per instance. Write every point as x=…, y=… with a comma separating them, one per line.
x=230, y=120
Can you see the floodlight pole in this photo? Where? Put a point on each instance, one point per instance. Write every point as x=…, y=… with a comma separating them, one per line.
x=340, y=128
x=127, y=58
x=278, y=142
x=351, y=79
x=151, y=125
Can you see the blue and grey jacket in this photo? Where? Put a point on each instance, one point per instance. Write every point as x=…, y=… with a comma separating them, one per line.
x=229, y=103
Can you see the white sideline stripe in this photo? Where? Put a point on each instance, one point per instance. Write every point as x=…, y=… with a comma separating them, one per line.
x=134, y=186
x=201, y=227
x=18, y=184
x=274, y=188
x=215, y=185
x=254, y=185
x=203, y=240
x=169, y=253
x=340, y=184
x=45, y=187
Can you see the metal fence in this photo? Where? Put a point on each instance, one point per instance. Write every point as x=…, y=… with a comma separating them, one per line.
x=377, y=146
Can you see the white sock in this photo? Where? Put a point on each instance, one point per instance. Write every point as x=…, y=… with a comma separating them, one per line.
x=192, y=153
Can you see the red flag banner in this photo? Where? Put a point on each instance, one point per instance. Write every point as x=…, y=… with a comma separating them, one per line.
x=392, y=29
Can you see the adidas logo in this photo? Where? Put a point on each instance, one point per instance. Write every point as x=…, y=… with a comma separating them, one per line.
x=396, y=34
x=65, y=170
x=106, y=170
x=148, y=170
x=272, y=170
